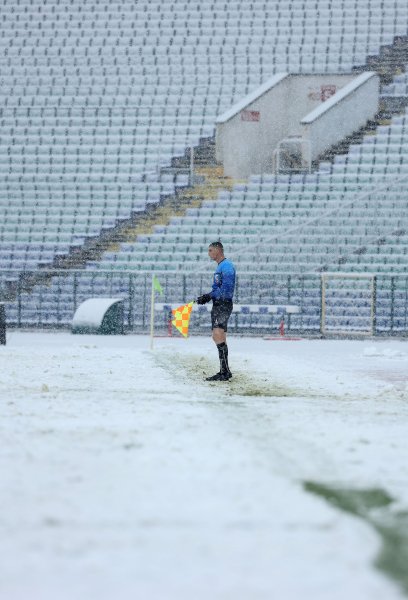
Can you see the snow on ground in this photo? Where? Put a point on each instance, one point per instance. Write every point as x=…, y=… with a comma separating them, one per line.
x=125, y=475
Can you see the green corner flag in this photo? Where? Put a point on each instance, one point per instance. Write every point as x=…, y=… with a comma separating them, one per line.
x=157, y=286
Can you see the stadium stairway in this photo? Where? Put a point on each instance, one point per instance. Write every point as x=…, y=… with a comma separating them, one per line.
x=204, y=155
x=389, y=63
x=193, y=77
x=208, y=180
x=369, y=18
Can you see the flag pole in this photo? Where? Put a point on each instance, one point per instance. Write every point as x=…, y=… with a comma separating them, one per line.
x=152, y=315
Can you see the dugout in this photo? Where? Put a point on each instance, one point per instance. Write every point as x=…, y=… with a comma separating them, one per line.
x=103, y=316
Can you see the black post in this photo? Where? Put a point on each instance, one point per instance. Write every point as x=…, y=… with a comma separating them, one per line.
x=19, y=299
x=237, y=301
x=322, y=303
x=75, y=292
x=289, y=299
x=405, y=306
x=2, y=324
x=184, y=288
x=59, y=277
x=131, y=301
x=145, y=306
x=375, y=305
x=392, y=308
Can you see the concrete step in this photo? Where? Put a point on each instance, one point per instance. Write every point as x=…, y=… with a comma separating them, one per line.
x=391, y=60
x=213, y=181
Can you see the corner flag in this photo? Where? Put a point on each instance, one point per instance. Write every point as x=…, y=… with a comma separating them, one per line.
x=157, y=286
x=182, y=318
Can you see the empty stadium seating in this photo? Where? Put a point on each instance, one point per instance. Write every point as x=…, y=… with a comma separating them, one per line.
x=334, y=213
x=97, y=97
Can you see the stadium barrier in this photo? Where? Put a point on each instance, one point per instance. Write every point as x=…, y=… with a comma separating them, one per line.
x=349, y=304
x=244, y=309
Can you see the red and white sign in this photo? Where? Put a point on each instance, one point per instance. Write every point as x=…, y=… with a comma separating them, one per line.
x=327, y=91
x=323, y=93
x=250, y=115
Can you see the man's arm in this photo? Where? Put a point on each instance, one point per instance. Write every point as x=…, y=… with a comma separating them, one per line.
x=204, y=299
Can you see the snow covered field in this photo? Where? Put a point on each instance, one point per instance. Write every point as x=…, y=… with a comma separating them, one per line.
x=126, y=476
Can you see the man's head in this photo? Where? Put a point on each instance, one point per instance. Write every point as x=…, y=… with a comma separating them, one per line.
x=216, y=251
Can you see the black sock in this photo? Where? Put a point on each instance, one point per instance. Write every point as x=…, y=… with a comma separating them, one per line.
x=223, y=354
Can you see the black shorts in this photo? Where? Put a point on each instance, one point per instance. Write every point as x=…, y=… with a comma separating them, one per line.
x=220, y=313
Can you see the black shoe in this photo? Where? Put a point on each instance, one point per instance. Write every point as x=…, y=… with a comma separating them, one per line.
x=225, y=376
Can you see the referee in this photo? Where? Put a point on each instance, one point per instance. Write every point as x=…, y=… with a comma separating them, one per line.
x=221, y=294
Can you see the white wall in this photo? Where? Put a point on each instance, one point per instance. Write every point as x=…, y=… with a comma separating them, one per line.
x=247, y=147
x=342, y=114
x=244, y=146
x=305, y=95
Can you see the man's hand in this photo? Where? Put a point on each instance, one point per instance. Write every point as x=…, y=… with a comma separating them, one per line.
x=204, y=299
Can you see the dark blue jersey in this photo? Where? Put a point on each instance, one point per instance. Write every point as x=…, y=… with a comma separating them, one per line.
x=224, y=281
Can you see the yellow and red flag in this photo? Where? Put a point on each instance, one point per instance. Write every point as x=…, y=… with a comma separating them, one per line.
x=182, y=318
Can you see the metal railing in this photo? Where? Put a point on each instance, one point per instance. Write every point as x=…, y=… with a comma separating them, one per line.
x=53, y=302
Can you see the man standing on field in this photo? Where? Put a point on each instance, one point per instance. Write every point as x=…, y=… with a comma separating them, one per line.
x=221, y=294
